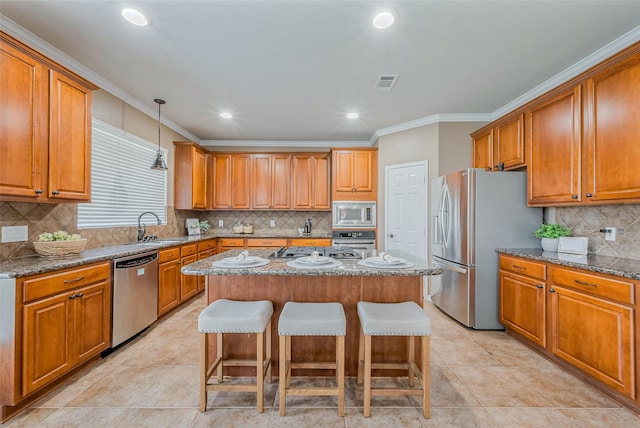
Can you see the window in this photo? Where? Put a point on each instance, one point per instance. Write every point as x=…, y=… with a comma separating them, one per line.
x=122, y=183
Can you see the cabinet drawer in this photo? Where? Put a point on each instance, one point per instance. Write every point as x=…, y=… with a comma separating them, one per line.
x=46, y=285
x=266, y=242
x=609, y=288
x=206, y=245
x=205, y=254
x=168, y=254
x=523, y=267
x=232, y=242
x=310, y=242
x=187, y=250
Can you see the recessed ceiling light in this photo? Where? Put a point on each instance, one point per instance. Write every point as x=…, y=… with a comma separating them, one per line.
x=383, y=19
x=226, y=115
x=135, y=17
x=353, y=115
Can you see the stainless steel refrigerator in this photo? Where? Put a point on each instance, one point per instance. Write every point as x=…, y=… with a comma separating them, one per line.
x=473, y=212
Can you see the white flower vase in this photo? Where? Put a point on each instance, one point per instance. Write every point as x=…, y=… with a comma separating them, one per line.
x=550, y=244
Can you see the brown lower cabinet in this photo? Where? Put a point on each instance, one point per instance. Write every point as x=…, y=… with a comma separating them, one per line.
x=581, y=318
x=66, y=320
x=173, y=287
x=205, y=249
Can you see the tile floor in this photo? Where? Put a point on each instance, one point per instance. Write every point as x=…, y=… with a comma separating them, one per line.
x=479, y=379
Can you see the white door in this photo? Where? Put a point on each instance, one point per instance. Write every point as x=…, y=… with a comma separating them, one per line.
x=406, y=208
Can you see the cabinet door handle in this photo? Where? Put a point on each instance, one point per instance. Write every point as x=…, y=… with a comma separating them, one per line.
x=574, y=196
x=540, y=286
x=589, y=195
x=39, y=191
x=73, y=296
x=71, y=281
x=79, y=295
x=585, y=283
x=551, y=290
x=55, y=192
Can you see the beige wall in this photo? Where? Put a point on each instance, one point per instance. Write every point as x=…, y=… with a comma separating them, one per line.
x=446, y=147
x=116, y=112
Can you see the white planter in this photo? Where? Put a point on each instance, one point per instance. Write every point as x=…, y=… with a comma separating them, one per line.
x=550, y=244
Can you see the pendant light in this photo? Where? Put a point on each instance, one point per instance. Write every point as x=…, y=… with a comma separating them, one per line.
x=159, y=162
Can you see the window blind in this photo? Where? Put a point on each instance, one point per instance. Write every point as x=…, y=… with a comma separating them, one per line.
x=122, y=183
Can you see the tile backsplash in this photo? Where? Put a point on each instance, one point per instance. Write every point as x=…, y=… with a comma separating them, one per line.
x=587, y=221
x=50, y=217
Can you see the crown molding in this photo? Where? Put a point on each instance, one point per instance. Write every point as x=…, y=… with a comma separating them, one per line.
x=436, y=118
x=290, y=144
x=50, y=51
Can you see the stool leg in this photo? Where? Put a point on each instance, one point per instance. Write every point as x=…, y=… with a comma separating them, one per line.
x=204, y=351
x=282, y=372
x=260, y=371
x=360, y=358
x=219, y=352
x=411, y=357
x=289, y=359
x=268, y=350
x=340, y=373
x=426, y=377
x=367, y=376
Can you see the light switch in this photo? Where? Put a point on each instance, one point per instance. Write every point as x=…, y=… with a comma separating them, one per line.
x=15, y=233
x=220, y=223
x=272, y=223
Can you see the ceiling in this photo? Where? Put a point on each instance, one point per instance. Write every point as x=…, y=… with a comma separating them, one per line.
x=290, y=71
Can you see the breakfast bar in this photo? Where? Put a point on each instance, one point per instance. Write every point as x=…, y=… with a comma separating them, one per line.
x=344, y=281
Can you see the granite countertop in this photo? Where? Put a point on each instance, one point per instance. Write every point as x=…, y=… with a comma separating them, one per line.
x=626, y=268
x=278, y=266
x=32, y=265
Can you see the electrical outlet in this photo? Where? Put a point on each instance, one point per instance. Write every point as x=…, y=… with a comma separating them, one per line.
x=220, y=223
x=610, y=234
x=272, y=223
x=15, y=233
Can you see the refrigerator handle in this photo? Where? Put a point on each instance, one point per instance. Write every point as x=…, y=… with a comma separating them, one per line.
x=449, y=266
x=436, y=230
x=444, y=220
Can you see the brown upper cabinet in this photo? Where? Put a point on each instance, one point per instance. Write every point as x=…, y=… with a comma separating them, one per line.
x=500, y=147
x=46, y=128
x=613, y=133
x=231, y=180
x=554, y=141
x=310, y=181
x=271, y=181
x=354, y=174
x=191, y=177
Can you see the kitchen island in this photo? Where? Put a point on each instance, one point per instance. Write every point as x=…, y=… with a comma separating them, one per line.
x=347, y=283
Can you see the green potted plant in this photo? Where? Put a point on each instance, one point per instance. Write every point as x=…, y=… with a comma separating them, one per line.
x=204, y=226
x=549, y=234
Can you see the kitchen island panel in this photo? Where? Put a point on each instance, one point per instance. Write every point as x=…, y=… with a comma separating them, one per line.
x=347, y=290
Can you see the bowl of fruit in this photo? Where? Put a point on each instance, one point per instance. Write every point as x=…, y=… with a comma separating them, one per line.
x=58, y=243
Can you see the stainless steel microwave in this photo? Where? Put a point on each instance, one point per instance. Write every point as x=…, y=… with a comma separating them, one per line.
x=354, y=214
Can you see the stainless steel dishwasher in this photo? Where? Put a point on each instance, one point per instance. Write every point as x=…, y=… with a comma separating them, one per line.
x=135, y=295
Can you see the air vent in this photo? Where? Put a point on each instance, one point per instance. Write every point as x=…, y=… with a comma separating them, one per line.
x=385, y=82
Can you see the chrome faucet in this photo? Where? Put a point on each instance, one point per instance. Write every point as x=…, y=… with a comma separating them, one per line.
x=141, y=227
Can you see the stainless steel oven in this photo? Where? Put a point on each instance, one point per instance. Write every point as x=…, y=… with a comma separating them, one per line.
x=354, y=214
x=362, y=241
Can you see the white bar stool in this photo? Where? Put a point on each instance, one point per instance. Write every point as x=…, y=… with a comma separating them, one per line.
x=394, y=319
x=311, y=319
x=230, y=316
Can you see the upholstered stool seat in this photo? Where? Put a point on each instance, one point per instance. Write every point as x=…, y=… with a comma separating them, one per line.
x=394, y=319
x=231, y=316
x=311, y=319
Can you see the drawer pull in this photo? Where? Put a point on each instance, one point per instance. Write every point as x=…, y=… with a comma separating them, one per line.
x=71, y=281
x=585, y=283
x=519, y=267
x=540, y=286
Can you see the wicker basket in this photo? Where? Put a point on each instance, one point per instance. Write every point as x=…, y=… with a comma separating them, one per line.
x=59, y=248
